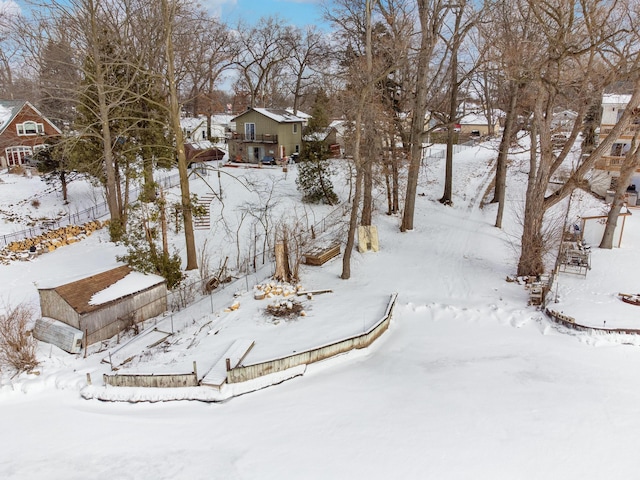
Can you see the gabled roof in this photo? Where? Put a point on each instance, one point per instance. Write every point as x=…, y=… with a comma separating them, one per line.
x=302, y=115
x=221, y=119
x=10, y=108
x=475, y=119
x=80, y=294
x=280, y=115
x=193, y=123
x=320, y=135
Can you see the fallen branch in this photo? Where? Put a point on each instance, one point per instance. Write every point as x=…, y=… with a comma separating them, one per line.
x=314, y=292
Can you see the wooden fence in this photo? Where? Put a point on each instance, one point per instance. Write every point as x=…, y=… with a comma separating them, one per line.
x=570, y=322
x=242, y=373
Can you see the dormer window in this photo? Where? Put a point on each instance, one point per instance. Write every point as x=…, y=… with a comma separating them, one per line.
x=30, y=128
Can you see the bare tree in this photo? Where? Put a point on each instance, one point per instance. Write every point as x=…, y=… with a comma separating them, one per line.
x=431, y=15
x=584, y=46
x=463, y=22
x=308, y=55
x=169, y=16
x=511, y=34
x=205, y=51
x=261, y=50
x=630, y=165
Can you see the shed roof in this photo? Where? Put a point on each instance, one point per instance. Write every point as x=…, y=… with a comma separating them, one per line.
x=80, y=294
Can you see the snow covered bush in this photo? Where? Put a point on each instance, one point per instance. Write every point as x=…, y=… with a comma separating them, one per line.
x=17, y=345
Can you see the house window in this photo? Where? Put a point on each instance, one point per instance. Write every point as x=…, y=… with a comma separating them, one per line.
x=619, y=149
x=16, y=155
x=297, y=148
x=249, y=131
x=295, y=128
x=30, y=128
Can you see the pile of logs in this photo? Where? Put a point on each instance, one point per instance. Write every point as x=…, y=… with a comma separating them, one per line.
x=49, y=241
x=269, y=290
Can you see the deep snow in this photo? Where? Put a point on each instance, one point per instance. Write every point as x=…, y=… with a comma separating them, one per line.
x=468, y=382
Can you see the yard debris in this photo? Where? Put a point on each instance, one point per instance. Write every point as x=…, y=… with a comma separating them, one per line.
x=311, y=293
x=235, y=306
x=288, y=309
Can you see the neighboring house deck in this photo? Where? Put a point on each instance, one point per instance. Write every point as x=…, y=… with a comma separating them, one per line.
x=23, y=130
x=264, y=132
x=607, y=169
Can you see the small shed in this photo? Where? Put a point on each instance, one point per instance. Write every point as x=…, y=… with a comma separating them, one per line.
x=105, y=304
x=203, y=151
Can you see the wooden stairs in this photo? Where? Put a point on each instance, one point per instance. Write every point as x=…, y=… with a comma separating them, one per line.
x=203, y=222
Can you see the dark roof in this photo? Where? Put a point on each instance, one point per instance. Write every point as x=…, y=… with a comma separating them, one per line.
x=78, y=294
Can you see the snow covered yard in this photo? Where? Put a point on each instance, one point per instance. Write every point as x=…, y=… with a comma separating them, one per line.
x=468, y=381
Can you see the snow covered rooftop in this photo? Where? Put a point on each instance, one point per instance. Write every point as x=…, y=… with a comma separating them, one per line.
x=86, y=294
x=193, y=123
x=8, y=109
x=304, y=116
x=279, y=115
x=615, y=99
x=319, y=136
x=221, y=119
x=474, y=119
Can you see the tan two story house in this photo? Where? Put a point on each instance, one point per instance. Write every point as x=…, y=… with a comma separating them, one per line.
x=265, y=132
x=23, y=130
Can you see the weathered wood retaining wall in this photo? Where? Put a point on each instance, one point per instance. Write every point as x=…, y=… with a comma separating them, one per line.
x=243, y=373
x=570, y=322
x=151, y=380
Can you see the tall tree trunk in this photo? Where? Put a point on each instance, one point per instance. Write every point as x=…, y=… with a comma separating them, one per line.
x=367, y=190
x=174, y=113
x=531, y=261
x=631, y=163
x=353, y=227
x=501, y=163
x=111, y=189
x=395, y=179
x=63, y=181
x=419, y=111
x=447, y=196
x=362, y=99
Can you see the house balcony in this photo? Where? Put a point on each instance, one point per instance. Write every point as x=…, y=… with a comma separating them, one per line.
x=626, y=134
x=255, y=138
x=610, y=163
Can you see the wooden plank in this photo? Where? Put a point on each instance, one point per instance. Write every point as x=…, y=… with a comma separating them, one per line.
x=368, y=238
x=236, y=352
x=321, y=256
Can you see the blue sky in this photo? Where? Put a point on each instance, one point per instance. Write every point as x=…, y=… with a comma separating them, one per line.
x=297, y=12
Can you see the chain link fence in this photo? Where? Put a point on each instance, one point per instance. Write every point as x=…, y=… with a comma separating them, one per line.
x=90, y=214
